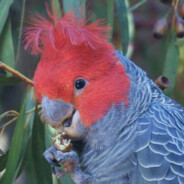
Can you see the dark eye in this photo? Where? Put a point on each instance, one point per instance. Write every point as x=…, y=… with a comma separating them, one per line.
x=80, y=83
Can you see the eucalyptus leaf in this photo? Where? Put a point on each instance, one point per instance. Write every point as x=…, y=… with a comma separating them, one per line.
x=3, y=160
x=122, y=13
x=171, y=62
x=7, y=81
x=4, y=10
x=1, y=151
x=110, y=14
x=30, y=104
x=14, y=154
x=56, y=8
x=180, y=42
x=29, y=167
x=49, y=133
x=67, y=180
x=41, y=167
x=99, y=11
x=6, y=46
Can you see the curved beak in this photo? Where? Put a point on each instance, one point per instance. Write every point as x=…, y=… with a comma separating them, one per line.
x=63, y=117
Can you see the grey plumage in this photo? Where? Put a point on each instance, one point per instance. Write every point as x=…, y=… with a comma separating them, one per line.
x=138, y=143
x=142, y=145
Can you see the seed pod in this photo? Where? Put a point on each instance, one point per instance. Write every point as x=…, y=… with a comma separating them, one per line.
x=166, y=1
x=179, y=27
x=162, y=82
x=160, y=28
x=181, y=11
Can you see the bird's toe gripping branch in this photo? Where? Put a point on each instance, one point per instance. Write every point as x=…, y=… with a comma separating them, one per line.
x=68, y=159
x=70, y=162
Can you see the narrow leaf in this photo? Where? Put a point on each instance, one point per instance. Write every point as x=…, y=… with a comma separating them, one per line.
x=29, y=167
x=67, y=179
x=110, y=14
x=15, y=148
x=30, y=104
x=20, y=31
x=49, y=132
x=1, y=151
x=122, y=14
x=4, y=10
x=3, y=160
x=99, y=10
x=41, y=167
x=180, y=42
x=56, y=8
x=171, y=62
x=7, y=81
x=78, y=6
x=6, y=46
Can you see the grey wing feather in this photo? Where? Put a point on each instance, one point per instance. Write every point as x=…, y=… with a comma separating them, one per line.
x=160, y=143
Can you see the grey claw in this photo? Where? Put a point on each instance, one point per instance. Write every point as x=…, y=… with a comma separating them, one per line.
x=48, y=154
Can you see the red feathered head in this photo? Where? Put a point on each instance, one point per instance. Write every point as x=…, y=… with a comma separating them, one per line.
x=71, y=49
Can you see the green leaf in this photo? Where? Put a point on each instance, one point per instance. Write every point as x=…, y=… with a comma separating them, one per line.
x=67, y=179
x=137, y=5
x=6, y=46
x=77, y=6
x=7, y=81
x=180, y=42
x=3, y=160
x=30, y=104
x=171, y=62
x=15, y=148
x=122, y=14
x=110, y=14
x=20, y=31
x=49, y=132
x=29, y=168
x=41, y=167
x=56, y=8
x=1, y=151
x=4, y=10
x=99, y=10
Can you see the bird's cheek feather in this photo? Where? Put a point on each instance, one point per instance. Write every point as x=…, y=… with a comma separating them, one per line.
x=100, y=95
x=93, y=108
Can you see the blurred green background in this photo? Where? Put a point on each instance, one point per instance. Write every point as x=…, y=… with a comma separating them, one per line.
x=132, y=23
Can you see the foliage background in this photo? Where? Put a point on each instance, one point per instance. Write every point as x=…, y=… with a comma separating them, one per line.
x=23, y=138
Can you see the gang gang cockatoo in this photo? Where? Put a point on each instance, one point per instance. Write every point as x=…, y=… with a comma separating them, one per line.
x=131, y=132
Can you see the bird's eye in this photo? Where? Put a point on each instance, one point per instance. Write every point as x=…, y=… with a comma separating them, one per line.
x=80, y=83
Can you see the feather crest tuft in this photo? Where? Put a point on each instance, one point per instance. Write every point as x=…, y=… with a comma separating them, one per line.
x=57, y=33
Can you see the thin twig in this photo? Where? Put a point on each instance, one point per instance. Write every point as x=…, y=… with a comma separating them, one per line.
x=33, y=109
x=27, y=120
x=9, y=122
x=2, y=131
x=8, y=114
x=16, y=73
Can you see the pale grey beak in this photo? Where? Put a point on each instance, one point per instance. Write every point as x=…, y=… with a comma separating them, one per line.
x=63, y=117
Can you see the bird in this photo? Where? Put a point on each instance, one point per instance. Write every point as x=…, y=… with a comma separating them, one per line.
x=131, y=132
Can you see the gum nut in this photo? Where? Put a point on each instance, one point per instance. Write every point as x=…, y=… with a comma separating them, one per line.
x=179, y=28
x=181, y=11
x=160, y=28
